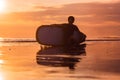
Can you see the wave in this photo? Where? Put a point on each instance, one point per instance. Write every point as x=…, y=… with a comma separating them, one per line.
x=34, y=40
x=103, y=40
x=117, y=38
x=17, y=40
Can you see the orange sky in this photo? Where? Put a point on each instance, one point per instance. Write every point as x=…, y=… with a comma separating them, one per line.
x=20, y=18
x=28, y=5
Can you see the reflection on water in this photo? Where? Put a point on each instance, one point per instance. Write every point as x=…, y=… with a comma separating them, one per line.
x=61, y=56
x=101, y=62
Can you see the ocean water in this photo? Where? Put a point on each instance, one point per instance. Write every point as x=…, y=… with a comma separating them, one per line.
x=25, y=59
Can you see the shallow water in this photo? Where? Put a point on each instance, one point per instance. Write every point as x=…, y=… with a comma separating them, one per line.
x=97, y=60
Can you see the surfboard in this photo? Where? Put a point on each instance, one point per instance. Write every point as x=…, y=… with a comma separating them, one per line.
x=54, y=35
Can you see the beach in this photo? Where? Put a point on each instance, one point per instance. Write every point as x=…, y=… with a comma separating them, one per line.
x=24, y=56
x=94, y=60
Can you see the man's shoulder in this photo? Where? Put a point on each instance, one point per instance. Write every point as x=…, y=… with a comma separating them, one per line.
x=64, y=24
x=75, y=27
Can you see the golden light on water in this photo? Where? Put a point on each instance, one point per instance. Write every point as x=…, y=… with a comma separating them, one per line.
x=1, y=61
x=1, y=39
x=2, y=5
x=1, y=73
x=1, y=44
x=1, y=76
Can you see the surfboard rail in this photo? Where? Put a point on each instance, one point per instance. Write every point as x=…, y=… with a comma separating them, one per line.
x=55, y=35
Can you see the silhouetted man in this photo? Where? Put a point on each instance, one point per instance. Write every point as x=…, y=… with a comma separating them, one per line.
x=70, y=29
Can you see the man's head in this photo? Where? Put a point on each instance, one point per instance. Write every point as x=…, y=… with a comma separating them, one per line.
x=71, y=19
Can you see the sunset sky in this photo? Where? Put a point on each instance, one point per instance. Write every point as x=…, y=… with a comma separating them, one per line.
x=20, y=18
x=28, y=5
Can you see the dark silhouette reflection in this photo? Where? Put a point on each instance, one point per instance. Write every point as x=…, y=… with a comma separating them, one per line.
x=61, y=56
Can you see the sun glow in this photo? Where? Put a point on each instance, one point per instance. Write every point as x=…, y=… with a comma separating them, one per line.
x=2, y=5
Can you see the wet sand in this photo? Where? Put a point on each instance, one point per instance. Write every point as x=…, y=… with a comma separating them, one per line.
x=98, y=60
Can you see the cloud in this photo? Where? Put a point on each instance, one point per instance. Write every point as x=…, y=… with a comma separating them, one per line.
x=84, y=12
x=85, y=9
